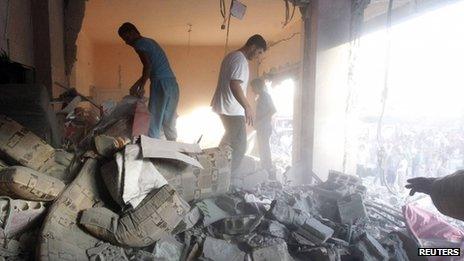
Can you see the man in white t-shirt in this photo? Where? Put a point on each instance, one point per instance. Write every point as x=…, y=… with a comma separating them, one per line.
x=229, y=100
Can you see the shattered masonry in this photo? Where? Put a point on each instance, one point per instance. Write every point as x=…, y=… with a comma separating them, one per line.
x=121, y=196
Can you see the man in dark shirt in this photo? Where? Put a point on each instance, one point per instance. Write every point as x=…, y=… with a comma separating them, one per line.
x=164, y=90
x=265, y=109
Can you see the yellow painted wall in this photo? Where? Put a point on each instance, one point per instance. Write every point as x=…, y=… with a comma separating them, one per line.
x=83, y=76
x=283, y=52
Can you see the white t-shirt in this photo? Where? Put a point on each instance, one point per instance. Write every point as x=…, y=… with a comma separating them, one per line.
x=233, y=67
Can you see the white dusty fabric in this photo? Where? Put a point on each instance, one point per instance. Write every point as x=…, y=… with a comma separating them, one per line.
x=233, y=67
x=152, y=148
x=140, y=176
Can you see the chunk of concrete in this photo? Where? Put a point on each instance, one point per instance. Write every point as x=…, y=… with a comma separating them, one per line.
x=323, y=254
x=278, y=252
x=344, y=184
x=210, y=211
x=60, y=237
x=315, y=231
x=24, y=146
x=161, y=149
x=106, y=251
x=276, y=229
x=287, y=215
x=63, y=167
x=370, y=248
x=238, y=225
x=16, y=216
x=168, y=249
x=189, y=221
x=228, y=203
x=159, y=213
x=193, y=183
x=28, y=184
x=351, y=209
x=220, y=250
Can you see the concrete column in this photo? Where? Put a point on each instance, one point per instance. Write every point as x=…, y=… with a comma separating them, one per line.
x=48, y=31
x=42, y=51
x=305, y=110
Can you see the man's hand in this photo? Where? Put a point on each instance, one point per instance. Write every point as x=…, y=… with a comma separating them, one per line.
x=421, y=185
x=249, y=115
x=137, y=90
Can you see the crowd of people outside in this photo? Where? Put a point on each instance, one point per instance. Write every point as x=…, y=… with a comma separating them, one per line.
x=409, y=151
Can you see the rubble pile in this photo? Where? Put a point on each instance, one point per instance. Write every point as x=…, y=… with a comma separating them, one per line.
x=123, y=196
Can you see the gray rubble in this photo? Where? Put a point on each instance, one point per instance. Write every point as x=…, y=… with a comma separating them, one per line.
x=122, y=197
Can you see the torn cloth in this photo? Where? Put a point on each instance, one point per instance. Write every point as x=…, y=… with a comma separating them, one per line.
x=427, y=227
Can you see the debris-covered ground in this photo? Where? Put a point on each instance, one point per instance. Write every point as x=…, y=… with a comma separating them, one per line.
x=120, y=195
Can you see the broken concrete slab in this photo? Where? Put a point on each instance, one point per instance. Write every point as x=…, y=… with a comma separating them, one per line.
x=275, y=229
x=278, y=252
x=229, y=203
x=313, y=230
x=323, y=254
x=63, y=167
x=168, y=249
x=237, y=225
x=159, y=213
x=60, y=237
x=28, y=184
x=370, y=249
x=193, y=183
x=189, y=220
x=220, y=250
x=351, y=209
x=394, y=246
x=106, y=251
x=344, y=183
x=287, y=215
x=17, y=215
x=152, y=146
x=24, y=146
x=160, y=149
x=211, y=212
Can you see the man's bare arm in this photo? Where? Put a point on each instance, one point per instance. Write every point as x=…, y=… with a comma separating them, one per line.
x=137, y=88
x=241, y=98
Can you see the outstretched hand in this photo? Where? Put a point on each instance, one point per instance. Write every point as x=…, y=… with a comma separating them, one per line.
x=421, y=185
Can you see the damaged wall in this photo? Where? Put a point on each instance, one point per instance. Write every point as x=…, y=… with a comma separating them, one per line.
x=283, y=51
x=16, y=37
x=83, y=71
x=32, y=33
x=56, y=11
